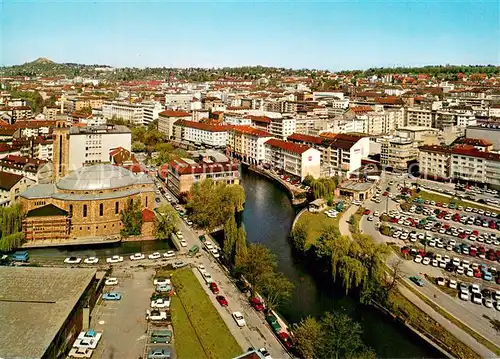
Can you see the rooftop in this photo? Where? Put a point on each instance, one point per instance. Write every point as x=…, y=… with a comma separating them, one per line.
x=250, y=131
x=287, y=146
x=99, y=129
x=201, y=126
x=8, y=180
x=37, y=300
x=357, y=186
x=171, y=113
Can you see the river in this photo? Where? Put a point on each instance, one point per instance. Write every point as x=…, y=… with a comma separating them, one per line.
x=268, y=217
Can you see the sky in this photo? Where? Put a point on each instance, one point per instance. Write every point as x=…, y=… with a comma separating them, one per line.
x=334, y=35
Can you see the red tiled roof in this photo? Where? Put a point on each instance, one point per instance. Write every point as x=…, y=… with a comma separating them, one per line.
x=147, y=215
x=34, y=124
x=474, y=142
x=201, y=126
x=389, y=100
x=184, y=168
x=8, y=180
x=172, y=113
x=472, y=152
x=259, y=118
x=298, y=137
x=250, y=131
x=287, y=146
x=361, y=109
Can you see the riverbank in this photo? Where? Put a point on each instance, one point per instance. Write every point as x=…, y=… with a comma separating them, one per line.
x=285, y=185
x=67, y=243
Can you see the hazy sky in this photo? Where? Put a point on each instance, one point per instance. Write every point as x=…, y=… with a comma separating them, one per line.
x=331, y=35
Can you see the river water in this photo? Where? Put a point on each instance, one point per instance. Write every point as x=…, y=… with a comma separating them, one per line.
x=268, y=217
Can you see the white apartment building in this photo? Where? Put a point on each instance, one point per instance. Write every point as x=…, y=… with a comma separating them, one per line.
x=494, y=111
x=179, y=101
x=131, y=112
x=201, y=133
x=166, y=120
x=419, y=117
x=434, y=162
x=93, y=144
x=237, y=119
x=398, y=152
x=282, y=127
x=247, y=143
x=293, y=159
x=152, y=110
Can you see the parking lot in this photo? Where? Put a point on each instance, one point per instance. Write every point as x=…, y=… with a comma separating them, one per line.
x=123, y=321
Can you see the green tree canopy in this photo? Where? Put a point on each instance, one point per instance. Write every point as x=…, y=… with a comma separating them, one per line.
x=131, y=218
x=166, y=222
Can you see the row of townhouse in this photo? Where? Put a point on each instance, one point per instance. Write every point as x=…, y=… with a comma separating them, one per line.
x=142, y=113
x=200, y=133
x=463, y=162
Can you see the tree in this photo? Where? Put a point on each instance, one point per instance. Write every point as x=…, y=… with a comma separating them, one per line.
x=166, y=223
x=131, y=218
x=11, y=241
x=258, y=262
x=276, y=289
x=309, y=336
x=138, y=147
x=343, y=337
x=240, y=248
x=299, y=236
x=230, y=238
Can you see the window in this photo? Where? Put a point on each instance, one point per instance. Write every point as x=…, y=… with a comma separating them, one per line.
x=146, y=201
x=70, y=209
x=85, y=210
x=117, y=207
x=101, y=209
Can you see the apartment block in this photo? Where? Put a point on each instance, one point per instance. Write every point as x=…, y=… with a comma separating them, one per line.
x=282, y=127
x=131, y=112
x=151, y=111
x=398, y=152
x=166, y=120
x=434, y=162
x=419, y=117
x=201, y=133
x=178, y=101
x=247, y=143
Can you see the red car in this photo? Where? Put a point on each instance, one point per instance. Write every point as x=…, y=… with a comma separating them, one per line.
x=476, y=233
x=385, y=194
x=439, y=204
x=367, y=212
x=285, y=338
x=222, y=300
x=257, y=304
x=477, y=273
x=214, y=288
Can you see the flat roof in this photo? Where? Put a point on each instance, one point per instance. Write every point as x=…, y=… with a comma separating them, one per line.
x=356, y=186
x=34, y=304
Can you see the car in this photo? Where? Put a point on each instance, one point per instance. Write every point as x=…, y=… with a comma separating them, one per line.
x=417, y=280
x=155, y=255
x=207, y=277
x=111, y=281
x=285, y=338
x=85, y=343
x=161, y=303
x=162, y=281
x=72, y=260
x=156, y=315
x=114, y=259
x=426, y=261
x=137, y=257
x=238, y=318
x=418, y=258
x=452, y=284
x=159, y=353
x=221, y=300
x=441, y=281
x=257, y=304
x=215, y=252
x=370, y=218
x=214, y=288
x=367, y=212
x=474, y=288
x=80, y=353
x=376, y=213
x=464, y=295
x=469, y=272
x=265, y=353
x=161, y=336
x=477, y=298
x=111, y=296
x=91, y=260
x=169, y=254
x=178, y=264
x=90, y=334
x=183, y=243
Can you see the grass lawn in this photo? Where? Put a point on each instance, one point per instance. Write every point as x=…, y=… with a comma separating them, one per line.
x=199, y=330
x=315, y=223
x=440, y=198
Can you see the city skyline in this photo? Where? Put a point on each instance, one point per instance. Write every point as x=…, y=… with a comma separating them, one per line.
x=333, y=36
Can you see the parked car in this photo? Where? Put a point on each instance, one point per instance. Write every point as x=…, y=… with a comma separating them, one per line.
x=238, y=318
x=169, y=254
x=155, y=255
x=85, y=343
x=111, y=281
x=417, y=280
x=80, y=353
x=137, y=257
x=161, y=281
x=91, y=260
x=178, y=264
x=161, y=336
x=111, y=296
x=161, y=303
x=183, y=243
x=222, y=300
x=214, y=288
x=257, y=304
x=159, y=353
x=156, y=315
x=72, y=260
x=114, y=259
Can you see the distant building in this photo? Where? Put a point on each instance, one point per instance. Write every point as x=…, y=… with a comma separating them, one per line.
x=131, y=112
x=398, y=153
x=489, y=132
x=151, y=111
x=11, y=186
x=33, y=169
x=282, y=127
x=167, y=118
x=201, y=133
x=247, y=143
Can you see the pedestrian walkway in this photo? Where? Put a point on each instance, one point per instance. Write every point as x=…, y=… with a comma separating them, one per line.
x=344, y=221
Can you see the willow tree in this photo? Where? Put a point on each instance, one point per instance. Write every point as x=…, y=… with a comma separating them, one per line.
x=230, y=239
x=352, y=271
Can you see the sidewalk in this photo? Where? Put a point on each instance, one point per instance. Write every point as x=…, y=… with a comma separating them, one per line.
x=344, y=221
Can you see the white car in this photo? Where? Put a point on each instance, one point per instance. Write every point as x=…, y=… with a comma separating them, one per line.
x=464, y=295
x=137, y=257
x=265, y=353
x=162, y=281
x=183, y=243
x=474, y=288
x=161, y=303
x=169, y=254
x=488, y=303
x=426, y=261
x=201, y=268
x=155, y=255
x=114, y=259
x=238, y=317
x=85, y=343
x=215, y=253
x=156, y=315
x=72, y=260
x=376, y=213
x=207, y=276
x=453, y=284
x=90, y=334
x=80, y=353
x=418, y=258
x=91, y=260
x=370, y=218
x=441, y=281
x=111, y=281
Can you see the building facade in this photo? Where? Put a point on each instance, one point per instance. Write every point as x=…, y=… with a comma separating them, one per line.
x=247, y=143
x=166, y=120
x=201, y=133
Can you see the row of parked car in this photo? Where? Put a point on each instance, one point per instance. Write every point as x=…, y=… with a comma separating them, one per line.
x=457, y=265
x=85, y=344
x=118, y=259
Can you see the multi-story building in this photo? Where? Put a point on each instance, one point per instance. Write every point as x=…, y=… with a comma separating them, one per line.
x=131, y=112
x=434, y=162
x=33, y=128
x=179, y=101
x=88, y=145
x=166, y=120
x=282, y=127
x=419, y=117
x=398, y=152
x=247, y=143
x=184, y=173
x=50, y=112
x=151, y=112
x=39, y=147
x=11, y=187
x=293, y=159
x=201, y=133
x=32, y=168
x=486, y=131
